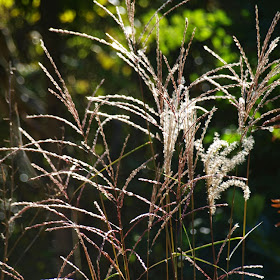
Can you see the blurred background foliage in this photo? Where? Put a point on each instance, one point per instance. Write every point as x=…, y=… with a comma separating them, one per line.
x=84, y=63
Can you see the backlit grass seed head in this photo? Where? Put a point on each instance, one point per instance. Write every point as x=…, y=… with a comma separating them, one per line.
x=176, y=117
x=218, y=163
x=170, y=134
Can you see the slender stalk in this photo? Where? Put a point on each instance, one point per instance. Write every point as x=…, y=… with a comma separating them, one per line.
x=181, y=241
x=109, y=228
x=123, y=247
x=179, y=235
x=193, y=237
x=213, y=247
x=230, y=227
x=174, y=260
x=244, y=220
x=170, y=241
x=231, y=221
x=166, y=252
x=243, y=233
x=191, y=177
x=90, y=265
x=75, y=240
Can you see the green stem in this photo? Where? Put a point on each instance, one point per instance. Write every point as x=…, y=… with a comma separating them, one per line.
x=244, y=219
x=195, y=249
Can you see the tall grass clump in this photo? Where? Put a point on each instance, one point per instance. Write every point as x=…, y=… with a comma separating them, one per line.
x=180, y=177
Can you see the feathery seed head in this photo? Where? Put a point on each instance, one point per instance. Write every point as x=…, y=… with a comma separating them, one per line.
x=217, y=165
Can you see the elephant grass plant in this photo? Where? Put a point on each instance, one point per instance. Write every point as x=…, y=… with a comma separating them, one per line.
x=177, y=121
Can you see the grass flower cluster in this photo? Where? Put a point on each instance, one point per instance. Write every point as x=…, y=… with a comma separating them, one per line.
x=217, y=166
